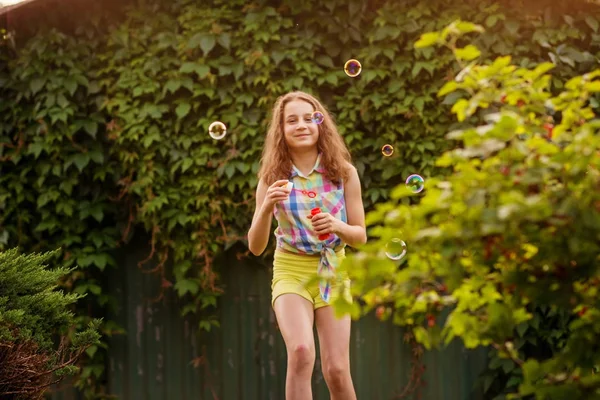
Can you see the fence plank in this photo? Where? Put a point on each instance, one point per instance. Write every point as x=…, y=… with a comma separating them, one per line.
x=245, y=359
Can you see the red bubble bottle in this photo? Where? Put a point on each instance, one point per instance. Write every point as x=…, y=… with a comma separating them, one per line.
x=314, y=212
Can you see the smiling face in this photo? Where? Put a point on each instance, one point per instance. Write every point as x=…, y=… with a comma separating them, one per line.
x=299, y=131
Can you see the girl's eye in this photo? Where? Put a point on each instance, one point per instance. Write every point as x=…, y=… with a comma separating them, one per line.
x=307, y=119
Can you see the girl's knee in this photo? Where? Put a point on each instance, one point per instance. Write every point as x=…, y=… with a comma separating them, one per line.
x=337, y=374
x=301, y=358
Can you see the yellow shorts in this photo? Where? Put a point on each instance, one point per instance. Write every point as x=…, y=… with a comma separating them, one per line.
x=292, y=273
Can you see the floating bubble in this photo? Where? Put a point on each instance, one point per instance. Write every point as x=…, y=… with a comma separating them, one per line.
x=352, y=68
x=317, y=117
x=395, y=249
x=415, y=183
x=217, y=130
x=387, y=150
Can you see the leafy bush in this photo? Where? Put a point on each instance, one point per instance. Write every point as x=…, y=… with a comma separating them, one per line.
x=33, y=314
x=514, y=226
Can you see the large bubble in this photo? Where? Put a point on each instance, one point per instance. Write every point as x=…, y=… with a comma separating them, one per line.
x=317, y=117
x=415, y=183
x=217, y=130
x=395, y=249
x=352, y=68
x=387, y=150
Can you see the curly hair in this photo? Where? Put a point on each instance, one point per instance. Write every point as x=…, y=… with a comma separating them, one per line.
x=276, y=161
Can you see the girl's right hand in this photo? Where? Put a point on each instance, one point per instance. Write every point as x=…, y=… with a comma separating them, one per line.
x=275, y=193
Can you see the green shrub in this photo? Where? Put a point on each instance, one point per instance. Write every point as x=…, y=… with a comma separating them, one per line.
x=35, y=319
x=514, y=227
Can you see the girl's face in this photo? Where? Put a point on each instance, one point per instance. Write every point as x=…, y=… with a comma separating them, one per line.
x=299, y=131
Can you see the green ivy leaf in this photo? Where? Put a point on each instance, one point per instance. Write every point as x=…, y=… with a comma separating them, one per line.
x=62, y=101
x=91, y=128
x=395, y=86
x=201, y=70
x=36, y=148
x=96, y=212
x=81, y=160
x=491, y=20
x=185, y=286
x=487, y=382
x=207, y=43
x=229, y=170
x=173, y=85
x=188, y=67
x=97, y=155
x=452, y=98
x=36, y=84
x=50, y=100
x=182, y=110
x=325, y=61
x=370, y=75
x=100, y=260
x=70, y=85
x=277, y=56
x=186, y=164
x=592, y=22
x=189, y=308
x=224, y=40
x=243, y=167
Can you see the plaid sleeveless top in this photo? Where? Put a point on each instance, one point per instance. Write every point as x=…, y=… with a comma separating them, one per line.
x=294, y=232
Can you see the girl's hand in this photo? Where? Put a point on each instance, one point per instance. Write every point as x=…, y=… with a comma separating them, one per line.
x=275, y=193
x=325, y=223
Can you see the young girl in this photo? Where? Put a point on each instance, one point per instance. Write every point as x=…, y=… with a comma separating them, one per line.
x=318, y=214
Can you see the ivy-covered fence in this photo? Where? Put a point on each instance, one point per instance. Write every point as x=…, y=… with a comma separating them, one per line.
x=104, y=115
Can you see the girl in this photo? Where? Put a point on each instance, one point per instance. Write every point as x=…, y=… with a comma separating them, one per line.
x=318, y=214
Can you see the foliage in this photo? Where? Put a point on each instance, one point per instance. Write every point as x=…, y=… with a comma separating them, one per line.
x=104, y=135
x=56, y=179
x=540, y=338
x=514, y=225
x=32, y=313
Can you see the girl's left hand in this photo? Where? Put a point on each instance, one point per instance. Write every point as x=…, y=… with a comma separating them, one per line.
x=324, y=223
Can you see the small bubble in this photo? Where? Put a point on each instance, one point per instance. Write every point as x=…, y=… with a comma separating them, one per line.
x=352, y=68
x=415, y=183
x=387, y=150
x=317, y=117
x=217, y=130
x=395, y=249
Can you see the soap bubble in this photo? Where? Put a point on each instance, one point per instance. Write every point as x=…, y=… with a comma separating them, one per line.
x=317, y=117
x=387, y=150
x=395, y=249
x=217, y=130
x=352, y=68
x=415, y=183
